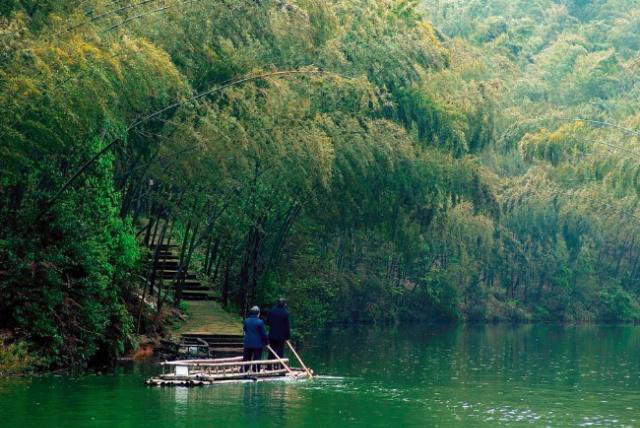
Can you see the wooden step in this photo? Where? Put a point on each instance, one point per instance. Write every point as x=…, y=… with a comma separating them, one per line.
x=194, y=287
x=170, y=274
x=163, y=260
x=163, y=263
x=234, y=350
x=198, y=295
x=163, y=246
x=218, y=341
x=213, y=342
x=164, y=251
x=166, y=258
x=190, y=284
x=167, y=266
x=194, y=284
x=226, y=345
x=174, y=271
x=208, y=336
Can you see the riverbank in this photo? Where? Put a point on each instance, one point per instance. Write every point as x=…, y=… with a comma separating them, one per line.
x=14, y=356
x=15, y=359
x=193, y=317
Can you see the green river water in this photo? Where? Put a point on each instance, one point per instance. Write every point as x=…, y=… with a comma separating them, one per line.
x=419, y=376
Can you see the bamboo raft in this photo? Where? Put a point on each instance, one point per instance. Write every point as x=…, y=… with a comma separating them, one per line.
x=202, y=372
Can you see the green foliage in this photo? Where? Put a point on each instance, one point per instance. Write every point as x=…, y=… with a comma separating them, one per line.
x=355, y=157
x=67, y=265
x=15, y=357
x=568, y=200
x=619, y=305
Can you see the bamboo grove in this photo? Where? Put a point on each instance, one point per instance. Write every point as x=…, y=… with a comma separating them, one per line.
x=371, y=160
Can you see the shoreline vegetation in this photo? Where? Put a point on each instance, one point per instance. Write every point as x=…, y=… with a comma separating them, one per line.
x=15, y=360
x=378, y=160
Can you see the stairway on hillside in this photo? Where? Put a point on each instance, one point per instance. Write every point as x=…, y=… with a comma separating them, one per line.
x=166, y=265
x=209, y=331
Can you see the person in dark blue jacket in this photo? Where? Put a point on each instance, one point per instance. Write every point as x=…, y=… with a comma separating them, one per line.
x=279, y=328
x=255, y=337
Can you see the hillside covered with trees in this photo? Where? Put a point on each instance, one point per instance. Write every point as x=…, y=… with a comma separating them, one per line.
x=371, y=160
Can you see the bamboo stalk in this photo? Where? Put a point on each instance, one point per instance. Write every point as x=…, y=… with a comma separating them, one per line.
x=241, y=375
x=211, y=377
x=300, y=360
x=204, y=361
x=226, y=364
x=48, y=204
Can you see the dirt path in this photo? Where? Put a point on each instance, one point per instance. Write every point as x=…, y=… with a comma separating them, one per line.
x=208, y=317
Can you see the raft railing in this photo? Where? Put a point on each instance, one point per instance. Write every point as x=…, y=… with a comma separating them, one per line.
x=207, y=371
x=226, y=369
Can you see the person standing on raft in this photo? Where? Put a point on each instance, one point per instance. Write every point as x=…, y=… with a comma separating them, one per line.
x=255, y=337
x=279, y=328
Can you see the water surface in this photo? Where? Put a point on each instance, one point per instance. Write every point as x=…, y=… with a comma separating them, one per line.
x=418, y=376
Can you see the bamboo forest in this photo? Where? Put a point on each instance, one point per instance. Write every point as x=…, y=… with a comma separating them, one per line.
x=372, y=161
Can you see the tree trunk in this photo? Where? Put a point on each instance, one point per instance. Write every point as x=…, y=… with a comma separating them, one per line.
x=154, y=264
x=254, y=262
x=225, y=283
x=184, y=265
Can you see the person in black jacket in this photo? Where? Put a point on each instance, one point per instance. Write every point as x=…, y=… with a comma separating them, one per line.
x=255, y=337
x=279, y=329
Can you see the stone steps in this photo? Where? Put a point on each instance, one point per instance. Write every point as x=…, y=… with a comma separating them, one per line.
x=167, y=265
x=209, y=331
x=198, y=295
x=171, y=273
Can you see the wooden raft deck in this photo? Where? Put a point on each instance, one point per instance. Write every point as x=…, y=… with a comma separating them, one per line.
x=215, y=371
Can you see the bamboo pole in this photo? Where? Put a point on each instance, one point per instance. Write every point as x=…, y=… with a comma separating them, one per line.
x=214, y=377
x=300, y=360
x=227, y=364
x=281, y=361
x=240, y=375
x=203, y=361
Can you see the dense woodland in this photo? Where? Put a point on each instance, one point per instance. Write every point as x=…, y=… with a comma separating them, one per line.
x=371, y=160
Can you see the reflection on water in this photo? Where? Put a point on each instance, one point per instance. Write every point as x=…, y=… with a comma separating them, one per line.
x=375, y=377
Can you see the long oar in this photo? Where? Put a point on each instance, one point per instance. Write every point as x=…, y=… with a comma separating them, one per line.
x=300, y=360
x=281, y=361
